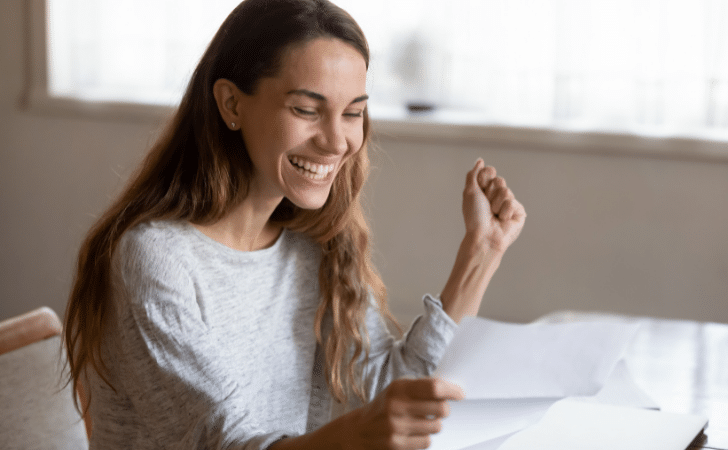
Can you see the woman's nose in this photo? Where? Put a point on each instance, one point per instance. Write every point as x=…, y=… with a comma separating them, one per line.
x=332, y=138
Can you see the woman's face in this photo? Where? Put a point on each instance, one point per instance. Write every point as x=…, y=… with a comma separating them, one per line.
x=301, y=125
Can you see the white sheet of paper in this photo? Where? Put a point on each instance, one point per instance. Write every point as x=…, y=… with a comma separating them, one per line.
x=475, y=421
x=493, y=444
x=496, y=360
x=572, y=424
x=621, y=390
x=486, y=424
x=499, y=364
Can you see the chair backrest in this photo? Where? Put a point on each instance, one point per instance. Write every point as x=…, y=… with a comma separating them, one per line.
x=36, y=405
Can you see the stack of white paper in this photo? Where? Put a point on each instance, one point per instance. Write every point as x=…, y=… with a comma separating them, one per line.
x=574, y=424
x=512, y=374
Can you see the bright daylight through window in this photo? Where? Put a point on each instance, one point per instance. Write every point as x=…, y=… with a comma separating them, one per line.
x=648, y=67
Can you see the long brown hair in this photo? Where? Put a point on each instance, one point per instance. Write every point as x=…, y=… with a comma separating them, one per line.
x=199, y=169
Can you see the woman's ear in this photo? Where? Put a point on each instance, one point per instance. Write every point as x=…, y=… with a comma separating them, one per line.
x=227, y=96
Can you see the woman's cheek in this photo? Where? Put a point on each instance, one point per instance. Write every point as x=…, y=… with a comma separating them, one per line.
x=357, y=142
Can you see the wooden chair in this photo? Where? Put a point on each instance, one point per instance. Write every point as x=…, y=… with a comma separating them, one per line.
x=37, y=407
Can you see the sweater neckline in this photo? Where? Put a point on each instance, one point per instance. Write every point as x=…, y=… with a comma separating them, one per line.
x=247, y=255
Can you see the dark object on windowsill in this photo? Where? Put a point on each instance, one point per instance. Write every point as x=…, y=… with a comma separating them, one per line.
x=415, y=107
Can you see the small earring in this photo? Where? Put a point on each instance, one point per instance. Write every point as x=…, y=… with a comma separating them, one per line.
x=232, y=125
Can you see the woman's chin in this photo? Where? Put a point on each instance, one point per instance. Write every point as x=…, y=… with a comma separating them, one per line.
x=310, y=202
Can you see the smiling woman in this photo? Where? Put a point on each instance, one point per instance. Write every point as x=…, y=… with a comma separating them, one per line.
x=312, y=111
x=227, y=298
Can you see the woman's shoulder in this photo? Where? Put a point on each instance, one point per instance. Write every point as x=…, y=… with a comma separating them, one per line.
x=154, y=243
x=158, y=235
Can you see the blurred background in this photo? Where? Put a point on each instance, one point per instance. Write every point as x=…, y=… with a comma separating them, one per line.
x=608, y=119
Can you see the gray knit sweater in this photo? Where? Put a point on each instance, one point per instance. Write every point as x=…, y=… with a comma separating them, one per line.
x=212, y=348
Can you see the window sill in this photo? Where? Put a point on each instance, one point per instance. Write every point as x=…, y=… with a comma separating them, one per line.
x=443, y=127
x=38, y=102
x=468, y=129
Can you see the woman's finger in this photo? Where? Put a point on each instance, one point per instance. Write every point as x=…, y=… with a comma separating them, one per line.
x=507, y=210
x=424, y=427
x=435, y=409
x=519, y=211
x=485, y=176
x=499, y=200
x=471, y=179
x=416, y=442
x=430, y=389
x=496, y=184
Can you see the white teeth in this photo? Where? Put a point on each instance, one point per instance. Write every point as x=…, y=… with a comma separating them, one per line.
x=311, y=170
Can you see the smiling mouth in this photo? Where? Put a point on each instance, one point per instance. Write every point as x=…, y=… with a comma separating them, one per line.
x=311, y=170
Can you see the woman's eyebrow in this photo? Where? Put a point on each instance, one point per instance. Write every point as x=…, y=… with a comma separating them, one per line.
x=319, y=97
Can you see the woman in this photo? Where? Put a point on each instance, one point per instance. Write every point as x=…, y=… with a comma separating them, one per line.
x=227, y=299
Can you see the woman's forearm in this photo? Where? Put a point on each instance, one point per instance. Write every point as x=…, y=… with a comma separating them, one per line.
x=474, y=266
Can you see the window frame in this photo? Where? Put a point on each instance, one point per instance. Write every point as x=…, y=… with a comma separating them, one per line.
x=446, y=127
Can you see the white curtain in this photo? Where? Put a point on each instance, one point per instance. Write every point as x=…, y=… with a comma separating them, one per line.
x=639, y=66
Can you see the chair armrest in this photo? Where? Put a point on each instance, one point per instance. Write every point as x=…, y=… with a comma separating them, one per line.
x=28, y=328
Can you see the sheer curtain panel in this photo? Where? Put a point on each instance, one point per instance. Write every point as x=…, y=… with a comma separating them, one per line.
x=645, y=67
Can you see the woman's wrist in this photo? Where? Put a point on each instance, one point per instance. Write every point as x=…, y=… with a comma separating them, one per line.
x=335, y=435
x=481, y=246
x=475, y=264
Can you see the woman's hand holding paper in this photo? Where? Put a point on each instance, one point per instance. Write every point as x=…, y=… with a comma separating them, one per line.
x=404, y=415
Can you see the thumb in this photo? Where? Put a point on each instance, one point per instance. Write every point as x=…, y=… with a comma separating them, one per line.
x=471, y=180
x=476, y=206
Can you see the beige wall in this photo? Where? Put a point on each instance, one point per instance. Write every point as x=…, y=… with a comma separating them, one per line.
x=628, y=234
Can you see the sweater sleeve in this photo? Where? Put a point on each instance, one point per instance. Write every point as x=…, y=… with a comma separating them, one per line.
x=170, y=366
x=415, y=355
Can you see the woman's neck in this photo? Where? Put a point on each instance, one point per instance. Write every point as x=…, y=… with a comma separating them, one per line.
x=247, y=227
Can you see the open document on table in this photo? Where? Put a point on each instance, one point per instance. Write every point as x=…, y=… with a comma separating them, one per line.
x=513, y=374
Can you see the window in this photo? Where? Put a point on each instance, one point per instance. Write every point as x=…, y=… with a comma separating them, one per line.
x=645, y=67
x=138, y=51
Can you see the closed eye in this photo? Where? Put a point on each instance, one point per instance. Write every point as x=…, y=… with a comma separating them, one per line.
x=304, y=112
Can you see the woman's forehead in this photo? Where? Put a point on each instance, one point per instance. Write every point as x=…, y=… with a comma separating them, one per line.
x=329, y=66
